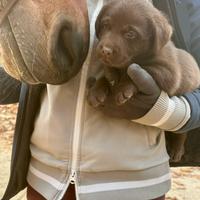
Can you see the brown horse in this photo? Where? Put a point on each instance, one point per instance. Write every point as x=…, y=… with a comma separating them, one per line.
x=40, y=40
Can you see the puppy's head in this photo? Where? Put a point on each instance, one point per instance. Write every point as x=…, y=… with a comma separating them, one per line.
x=129, y=30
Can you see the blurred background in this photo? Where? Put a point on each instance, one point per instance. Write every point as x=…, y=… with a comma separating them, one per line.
x=185, y=185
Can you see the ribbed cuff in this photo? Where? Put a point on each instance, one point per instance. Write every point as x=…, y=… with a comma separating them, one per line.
x=168, y=113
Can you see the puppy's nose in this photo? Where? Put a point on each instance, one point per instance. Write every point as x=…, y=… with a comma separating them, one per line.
x=106, y=51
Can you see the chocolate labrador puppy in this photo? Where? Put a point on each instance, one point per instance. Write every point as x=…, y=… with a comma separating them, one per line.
x=134, y=31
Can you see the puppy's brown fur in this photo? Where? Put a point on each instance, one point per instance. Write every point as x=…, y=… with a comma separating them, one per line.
x=133, y=31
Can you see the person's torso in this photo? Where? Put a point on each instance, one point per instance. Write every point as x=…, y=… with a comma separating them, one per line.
x=70, y=137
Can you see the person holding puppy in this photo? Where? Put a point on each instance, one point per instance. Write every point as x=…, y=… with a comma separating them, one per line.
x=73, y=144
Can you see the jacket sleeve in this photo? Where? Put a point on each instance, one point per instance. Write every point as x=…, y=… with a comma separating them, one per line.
x=9, y=88
x=169, y=114
x=177, y=114
x=193, y=99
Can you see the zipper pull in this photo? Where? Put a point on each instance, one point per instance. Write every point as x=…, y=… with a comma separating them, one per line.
x=73, y=177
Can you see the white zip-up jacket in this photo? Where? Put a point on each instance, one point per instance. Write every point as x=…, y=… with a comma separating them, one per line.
x=106, y=158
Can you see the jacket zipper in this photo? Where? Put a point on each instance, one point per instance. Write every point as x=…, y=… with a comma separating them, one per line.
x=73, y=177
x=80, y=99
x=79, y=107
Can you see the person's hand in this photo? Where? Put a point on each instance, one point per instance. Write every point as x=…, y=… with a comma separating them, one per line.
x=140, y=103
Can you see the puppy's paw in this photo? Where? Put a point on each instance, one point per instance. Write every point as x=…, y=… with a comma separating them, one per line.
x=124, y=93
x=97, y=98
x=98, y=94
x=176, y=154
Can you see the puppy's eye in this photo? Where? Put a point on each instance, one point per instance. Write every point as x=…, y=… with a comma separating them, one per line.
x=105, y=23
x=105, y=26
x=130, y=35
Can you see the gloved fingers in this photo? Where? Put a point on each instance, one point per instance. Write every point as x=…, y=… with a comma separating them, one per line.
x=142, y=80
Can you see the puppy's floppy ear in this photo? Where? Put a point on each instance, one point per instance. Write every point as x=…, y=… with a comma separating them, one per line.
x=161, y=30
x=97, y=23
x=98, y=20
x=102, y=13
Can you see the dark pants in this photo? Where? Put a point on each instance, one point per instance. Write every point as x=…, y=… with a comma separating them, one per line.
x=34, y=195
x=69, y=195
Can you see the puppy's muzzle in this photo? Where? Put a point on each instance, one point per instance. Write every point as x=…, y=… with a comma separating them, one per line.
x=106, y=53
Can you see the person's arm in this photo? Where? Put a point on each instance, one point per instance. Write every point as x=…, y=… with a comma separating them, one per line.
x=169, y=114
x=9, y=88
x=177, y=114
x=153, y=107
x=149, y=106
x=184, y=115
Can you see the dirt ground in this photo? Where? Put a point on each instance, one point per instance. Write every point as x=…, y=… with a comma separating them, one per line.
x=185, y=181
